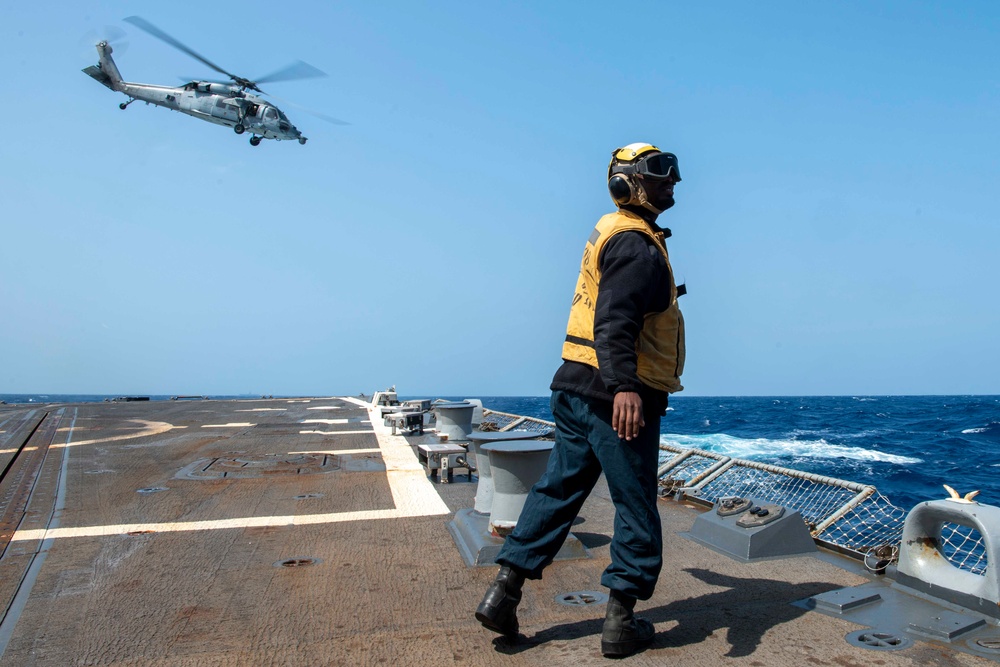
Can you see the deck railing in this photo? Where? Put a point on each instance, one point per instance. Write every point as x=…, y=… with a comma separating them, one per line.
x=848, y=517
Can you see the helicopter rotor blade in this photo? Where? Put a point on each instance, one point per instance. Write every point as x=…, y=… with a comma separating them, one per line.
x=145, y=25
x=311, y=112
x=201, y=79
x=292, y=72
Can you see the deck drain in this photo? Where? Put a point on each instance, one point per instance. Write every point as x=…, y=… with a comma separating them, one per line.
x=308, y=496
x=152, y=489
x=878, y=640
x=297, y=562
x=988, y=645
x=582, y=598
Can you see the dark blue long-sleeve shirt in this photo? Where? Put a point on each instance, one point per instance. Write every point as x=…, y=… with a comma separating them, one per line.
x=635, y=281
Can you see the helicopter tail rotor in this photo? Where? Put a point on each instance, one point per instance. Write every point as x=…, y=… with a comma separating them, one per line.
x=113, y=35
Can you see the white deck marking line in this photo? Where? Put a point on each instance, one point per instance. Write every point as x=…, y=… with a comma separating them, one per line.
x=329, y=433
x=325, y=407
x=338, y=452
x=26, y=449
x=328, y=422
x=146, y=428
x=413, y=495
x=358, y=402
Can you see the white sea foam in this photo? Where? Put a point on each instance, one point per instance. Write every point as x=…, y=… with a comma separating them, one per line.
x=767, y=449
x=975, y=430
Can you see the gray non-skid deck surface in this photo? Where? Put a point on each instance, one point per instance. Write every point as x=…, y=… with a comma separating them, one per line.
x=382, y=590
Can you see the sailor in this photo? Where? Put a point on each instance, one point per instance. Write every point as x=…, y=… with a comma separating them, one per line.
x=622, y=356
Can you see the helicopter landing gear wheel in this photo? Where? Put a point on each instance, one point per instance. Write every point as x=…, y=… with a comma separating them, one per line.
x=123, y=106
x=239, y=129
x=254, y=141
x=302, y=140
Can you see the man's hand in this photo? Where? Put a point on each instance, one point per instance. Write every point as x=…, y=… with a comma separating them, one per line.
x=627, y=415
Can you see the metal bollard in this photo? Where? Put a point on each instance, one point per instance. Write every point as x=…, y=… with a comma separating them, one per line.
x=516, y=466
x=454, y=419
x=484, y=488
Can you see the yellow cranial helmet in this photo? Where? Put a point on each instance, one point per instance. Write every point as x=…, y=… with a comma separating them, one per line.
x=632, y=152
x=639, y=159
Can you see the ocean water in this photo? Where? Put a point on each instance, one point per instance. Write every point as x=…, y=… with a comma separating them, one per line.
x=906, y=446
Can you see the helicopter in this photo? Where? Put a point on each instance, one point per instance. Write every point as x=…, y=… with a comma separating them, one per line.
x=228, y=103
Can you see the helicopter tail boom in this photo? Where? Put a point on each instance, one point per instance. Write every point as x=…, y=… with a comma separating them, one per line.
x=106, y=71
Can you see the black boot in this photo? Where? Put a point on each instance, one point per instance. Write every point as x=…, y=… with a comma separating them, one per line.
x=498, y=610
x=624, y=632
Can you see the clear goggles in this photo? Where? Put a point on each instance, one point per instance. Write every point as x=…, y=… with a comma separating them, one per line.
x=657, y=165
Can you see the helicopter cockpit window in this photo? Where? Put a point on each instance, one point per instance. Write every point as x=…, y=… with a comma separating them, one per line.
x=270, y=114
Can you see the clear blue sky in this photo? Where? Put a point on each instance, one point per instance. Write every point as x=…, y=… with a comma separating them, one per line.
x=836, y=226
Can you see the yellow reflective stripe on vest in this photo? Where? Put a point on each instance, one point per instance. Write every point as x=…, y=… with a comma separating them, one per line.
x=660, y=347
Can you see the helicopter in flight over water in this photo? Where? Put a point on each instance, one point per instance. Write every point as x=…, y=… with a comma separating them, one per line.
x=228, y=103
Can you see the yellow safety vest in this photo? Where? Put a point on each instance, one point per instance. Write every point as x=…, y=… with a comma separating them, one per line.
x=660, y=347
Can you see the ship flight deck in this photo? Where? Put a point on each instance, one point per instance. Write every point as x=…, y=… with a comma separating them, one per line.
x=304, y=532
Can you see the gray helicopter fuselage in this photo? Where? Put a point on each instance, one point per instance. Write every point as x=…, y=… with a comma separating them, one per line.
x=219, y=103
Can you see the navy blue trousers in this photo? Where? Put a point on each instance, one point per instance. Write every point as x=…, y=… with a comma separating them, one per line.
x=585, y=446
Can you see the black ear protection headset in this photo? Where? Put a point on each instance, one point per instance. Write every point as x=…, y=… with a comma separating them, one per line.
x=622, y=190
x=621, y=182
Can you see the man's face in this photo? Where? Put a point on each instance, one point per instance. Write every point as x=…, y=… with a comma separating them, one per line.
x=659, y=191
